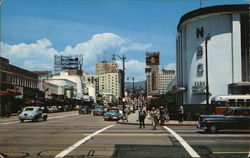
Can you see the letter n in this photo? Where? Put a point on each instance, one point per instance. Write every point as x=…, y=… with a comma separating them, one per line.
x=199, y=32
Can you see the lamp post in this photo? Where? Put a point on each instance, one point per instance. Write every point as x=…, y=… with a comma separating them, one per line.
x=133, y=89
x=123, y=78
x=208, y=37
x=123, y=72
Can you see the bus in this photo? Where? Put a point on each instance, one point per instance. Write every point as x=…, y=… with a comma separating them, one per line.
x=221, y=102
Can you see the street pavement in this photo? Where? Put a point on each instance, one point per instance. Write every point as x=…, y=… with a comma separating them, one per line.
x=72, y=135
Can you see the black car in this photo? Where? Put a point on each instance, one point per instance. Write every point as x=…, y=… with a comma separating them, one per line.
x=233, y=118
x=84, y=110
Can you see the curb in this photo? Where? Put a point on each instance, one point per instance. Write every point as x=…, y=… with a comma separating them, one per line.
x=127, y=123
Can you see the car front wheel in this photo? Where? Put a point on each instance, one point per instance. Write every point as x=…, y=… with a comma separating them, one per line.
x=21, y=120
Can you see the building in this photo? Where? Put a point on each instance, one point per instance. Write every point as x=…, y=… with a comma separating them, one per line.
x=165, y=77
x=17, y=85
x=108, y=83
x=221, y=33
x=106, y=67
x=60, y=89
x=73, y=76
x=42, y=75
x=66, y=63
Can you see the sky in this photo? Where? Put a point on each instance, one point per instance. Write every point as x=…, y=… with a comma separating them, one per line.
x=33, y=31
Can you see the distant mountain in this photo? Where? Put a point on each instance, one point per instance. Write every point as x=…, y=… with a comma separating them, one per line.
x=138, y=85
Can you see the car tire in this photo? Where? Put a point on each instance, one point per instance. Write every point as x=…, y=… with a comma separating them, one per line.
x=213, y=129
x=45, y=119
x=21, y=120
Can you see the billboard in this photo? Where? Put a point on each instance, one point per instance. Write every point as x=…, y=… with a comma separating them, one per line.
x=152, y=59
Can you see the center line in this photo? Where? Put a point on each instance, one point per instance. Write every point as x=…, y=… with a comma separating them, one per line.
x=188, y=148
x=74, y=146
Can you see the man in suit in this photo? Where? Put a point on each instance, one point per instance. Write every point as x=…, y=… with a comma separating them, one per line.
x=142, y=116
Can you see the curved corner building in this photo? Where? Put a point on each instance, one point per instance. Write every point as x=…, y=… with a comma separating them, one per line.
x=228, y=55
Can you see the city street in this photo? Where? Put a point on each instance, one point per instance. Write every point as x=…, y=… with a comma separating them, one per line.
x=90, y=136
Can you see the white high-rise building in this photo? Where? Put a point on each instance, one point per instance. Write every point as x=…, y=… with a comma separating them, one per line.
x=165, y=77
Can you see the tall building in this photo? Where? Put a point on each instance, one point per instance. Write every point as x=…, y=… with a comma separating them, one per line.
x=107, y=80
x=165, y=77
x=152, y=73
x=66, y=63
x=106, y=67
x=213, y=51
x=109, y=83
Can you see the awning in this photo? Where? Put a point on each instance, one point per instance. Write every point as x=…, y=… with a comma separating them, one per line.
x=240, y=84
x=10, y=92
x=178, y=90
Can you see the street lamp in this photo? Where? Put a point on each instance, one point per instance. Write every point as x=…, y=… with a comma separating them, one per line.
x=123, y=80
x=133, y=88
x=123, y=72
x=208, y=37
x=133, y=84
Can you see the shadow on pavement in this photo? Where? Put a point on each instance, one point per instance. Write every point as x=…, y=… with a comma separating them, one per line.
x=157, y=151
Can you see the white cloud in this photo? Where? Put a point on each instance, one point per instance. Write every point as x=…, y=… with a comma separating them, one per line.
x=134, y=68
x=171, y=66
x=135, y=47
x=40, y=55
x=33, y=56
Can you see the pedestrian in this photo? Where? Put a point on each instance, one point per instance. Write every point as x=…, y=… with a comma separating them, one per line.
x=181, y=112
x=153, y=117
x=162, y=113
x=142, y=116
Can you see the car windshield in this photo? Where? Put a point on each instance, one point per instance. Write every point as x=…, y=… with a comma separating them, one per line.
x=28, y=109
x=113, y=110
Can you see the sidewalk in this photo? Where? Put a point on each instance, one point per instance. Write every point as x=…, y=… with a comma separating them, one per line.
x=133, y=120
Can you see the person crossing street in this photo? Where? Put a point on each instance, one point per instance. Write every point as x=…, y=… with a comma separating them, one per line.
x=142, y=116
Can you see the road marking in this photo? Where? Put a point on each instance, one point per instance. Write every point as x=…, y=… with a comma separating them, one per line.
x=129, y=134
x=7, y=123
x=49, y=118
x=228, y=152
x=188, y=148
x=62, y=116
x=249, y=154
x=85, y=139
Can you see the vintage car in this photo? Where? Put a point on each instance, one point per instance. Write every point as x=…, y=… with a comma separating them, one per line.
x=233, y=118
x=32, y=113
x=112, y=114
x=98, y=110
x=84, y=110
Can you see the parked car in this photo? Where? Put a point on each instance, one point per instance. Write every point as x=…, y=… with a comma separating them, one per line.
x=112, y=114
x=233, y=118
x=84, y=110
x=32, y=113
x=98, y=110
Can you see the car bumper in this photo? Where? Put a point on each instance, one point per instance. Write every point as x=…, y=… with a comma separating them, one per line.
x=111, y=117
x=25, y=117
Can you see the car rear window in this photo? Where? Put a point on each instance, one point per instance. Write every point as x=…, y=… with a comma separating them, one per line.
x=29, y=109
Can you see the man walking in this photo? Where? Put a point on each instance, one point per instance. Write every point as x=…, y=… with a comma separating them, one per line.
x=142, y=115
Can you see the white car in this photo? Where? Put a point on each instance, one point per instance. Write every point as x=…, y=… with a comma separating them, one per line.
x=32, y=113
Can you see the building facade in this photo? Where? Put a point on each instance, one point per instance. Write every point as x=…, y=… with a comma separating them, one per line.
x=108, y=83
x=17, y=84
x=106, y=67
x=165, y=77
x=222, y=34
x=76, y=78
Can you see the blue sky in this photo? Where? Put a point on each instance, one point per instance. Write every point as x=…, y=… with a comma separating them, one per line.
x=32, y=31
